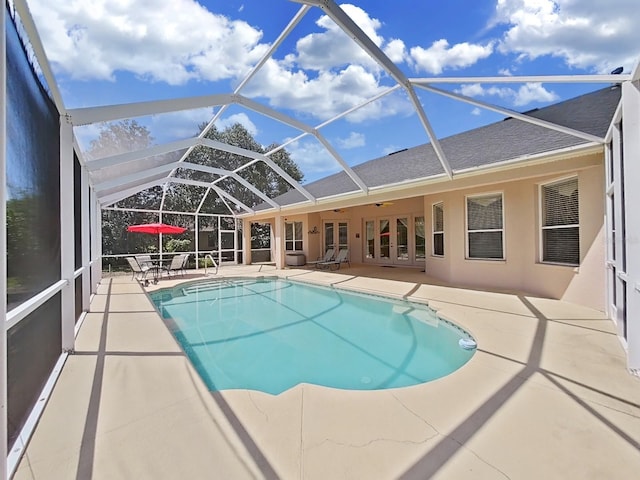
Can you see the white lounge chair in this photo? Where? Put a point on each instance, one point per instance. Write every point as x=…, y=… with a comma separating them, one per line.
x=328, y=256
x=342, y=257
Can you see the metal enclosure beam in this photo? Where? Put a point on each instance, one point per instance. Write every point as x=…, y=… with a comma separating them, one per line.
x=43, y=62
x=283, y=35
x=525, y=79
x=219, y=191
x=511, y=113
x=113, y=160
x=362, y=39
x=257, y=107
x=89, y=115
x=630, y=172
x=67, y=235
x=95, y=251
x=84, y=238
x=258, y=156
x=4, y=431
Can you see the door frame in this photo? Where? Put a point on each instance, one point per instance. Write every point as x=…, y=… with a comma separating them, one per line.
x=336, y=234
x=393, y=258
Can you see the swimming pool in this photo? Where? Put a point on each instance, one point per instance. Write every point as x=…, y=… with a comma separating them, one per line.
x=271, y=334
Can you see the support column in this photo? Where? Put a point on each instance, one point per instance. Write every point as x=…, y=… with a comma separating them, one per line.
x=631, y=152
x=67, y=234
x=278, y=250
x=196, y=233
x=96, y=222
x=85, y=238
x=246, y=241
x=3, y=248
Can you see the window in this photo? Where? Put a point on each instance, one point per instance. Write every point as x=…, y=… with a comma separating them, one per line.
x=485, y=233
x=293, y=236
x=560, y=222
x=420, y=239
x=343, y=236
x=437, y=219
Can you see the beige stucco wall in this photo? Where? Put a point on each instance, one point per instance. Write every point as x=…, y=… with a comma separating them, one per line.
x=521, y=270
x=355, y=217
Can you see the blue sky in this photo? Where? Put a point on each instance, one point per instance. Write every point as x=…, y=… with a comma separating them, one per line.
x=120, y=51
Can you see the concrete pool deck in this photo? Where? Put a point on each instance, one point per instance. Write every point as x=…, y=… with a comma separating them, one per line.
x=547, y=395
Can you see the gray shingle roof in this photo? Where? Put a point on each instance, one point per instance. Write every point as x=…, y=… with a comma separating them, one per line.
x=495, y=143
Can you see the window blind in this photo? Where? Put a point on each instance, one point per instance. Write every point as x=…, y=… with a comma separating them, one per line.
x=484, y=227
x=560, y=222
x=438, y=229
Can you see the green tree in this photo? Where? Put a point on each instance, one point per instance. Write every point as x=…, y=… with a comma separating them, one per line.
x=258, y=174
x=129, y=135
x=115, y=138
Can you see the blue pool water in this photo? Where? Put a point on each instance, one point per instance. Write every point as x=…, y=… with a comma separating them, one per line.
x=271, y=334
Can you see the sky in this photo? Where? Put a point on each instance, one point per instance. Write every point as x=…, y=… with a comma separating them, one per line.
x=120, y=51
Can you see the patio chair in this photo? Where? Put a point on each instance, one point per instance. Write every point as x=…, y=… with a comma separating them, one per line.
x=138, y=271
x=144, y=260
x=185, y=262
x=342, y=257
x=178, y=263
x=328, y=256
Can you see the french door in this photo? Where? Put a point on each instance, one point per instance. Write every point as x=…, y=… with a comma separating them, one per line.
x=336, y=235
x=394, y=240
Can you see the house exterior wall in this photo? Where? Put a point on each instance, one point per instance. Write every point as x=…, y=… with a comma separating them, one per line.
x=521, y=269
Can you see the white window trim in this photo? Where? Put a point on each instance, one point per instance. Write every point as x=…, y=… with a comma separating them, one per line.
x=433, y=231
x=413, y=253
x=294, y=240
x=466, y=227
x=541, y=221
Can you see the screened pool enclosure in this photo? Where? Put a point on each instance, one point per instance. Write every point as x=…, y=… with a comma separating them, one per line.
x=73, y=179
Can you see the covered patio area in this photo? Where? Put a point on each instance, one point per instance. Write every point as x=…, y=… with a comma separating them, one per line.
x=546, y=395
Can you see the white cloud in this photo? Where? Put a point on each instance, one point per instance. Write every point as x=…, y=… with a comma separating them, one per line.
x=325, y=95
x=332, y=48
x=476, y=112
x=396, y=51
x=174, y=41
x=240, y=118
x=534, y=92
x=85, y=134
x=354, y=140
x=329, y=73
x=586, y=34
x=440, y=56
x=313, y=159
x=524, y=95
x=179, y=125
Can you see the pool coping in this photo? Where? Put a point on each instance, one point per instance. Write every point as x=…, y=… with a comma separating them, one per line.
x=546, y=394
x=409, y=302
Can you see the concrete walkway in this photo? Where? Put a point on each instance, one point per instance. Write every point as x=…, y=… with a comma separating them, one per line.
x=546, y=395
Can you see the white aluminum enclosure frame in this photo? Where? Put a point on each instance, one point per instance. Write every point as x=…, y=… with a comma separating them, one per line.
x=3, y=248
x=125, y=185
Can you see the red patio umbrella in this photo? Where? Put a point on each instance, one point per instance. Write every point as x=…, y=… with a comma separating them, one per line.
x=155, y=228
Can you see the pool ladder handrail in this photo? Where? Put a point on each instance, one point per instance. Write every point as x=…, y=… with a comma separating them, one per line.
x=215, y=264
